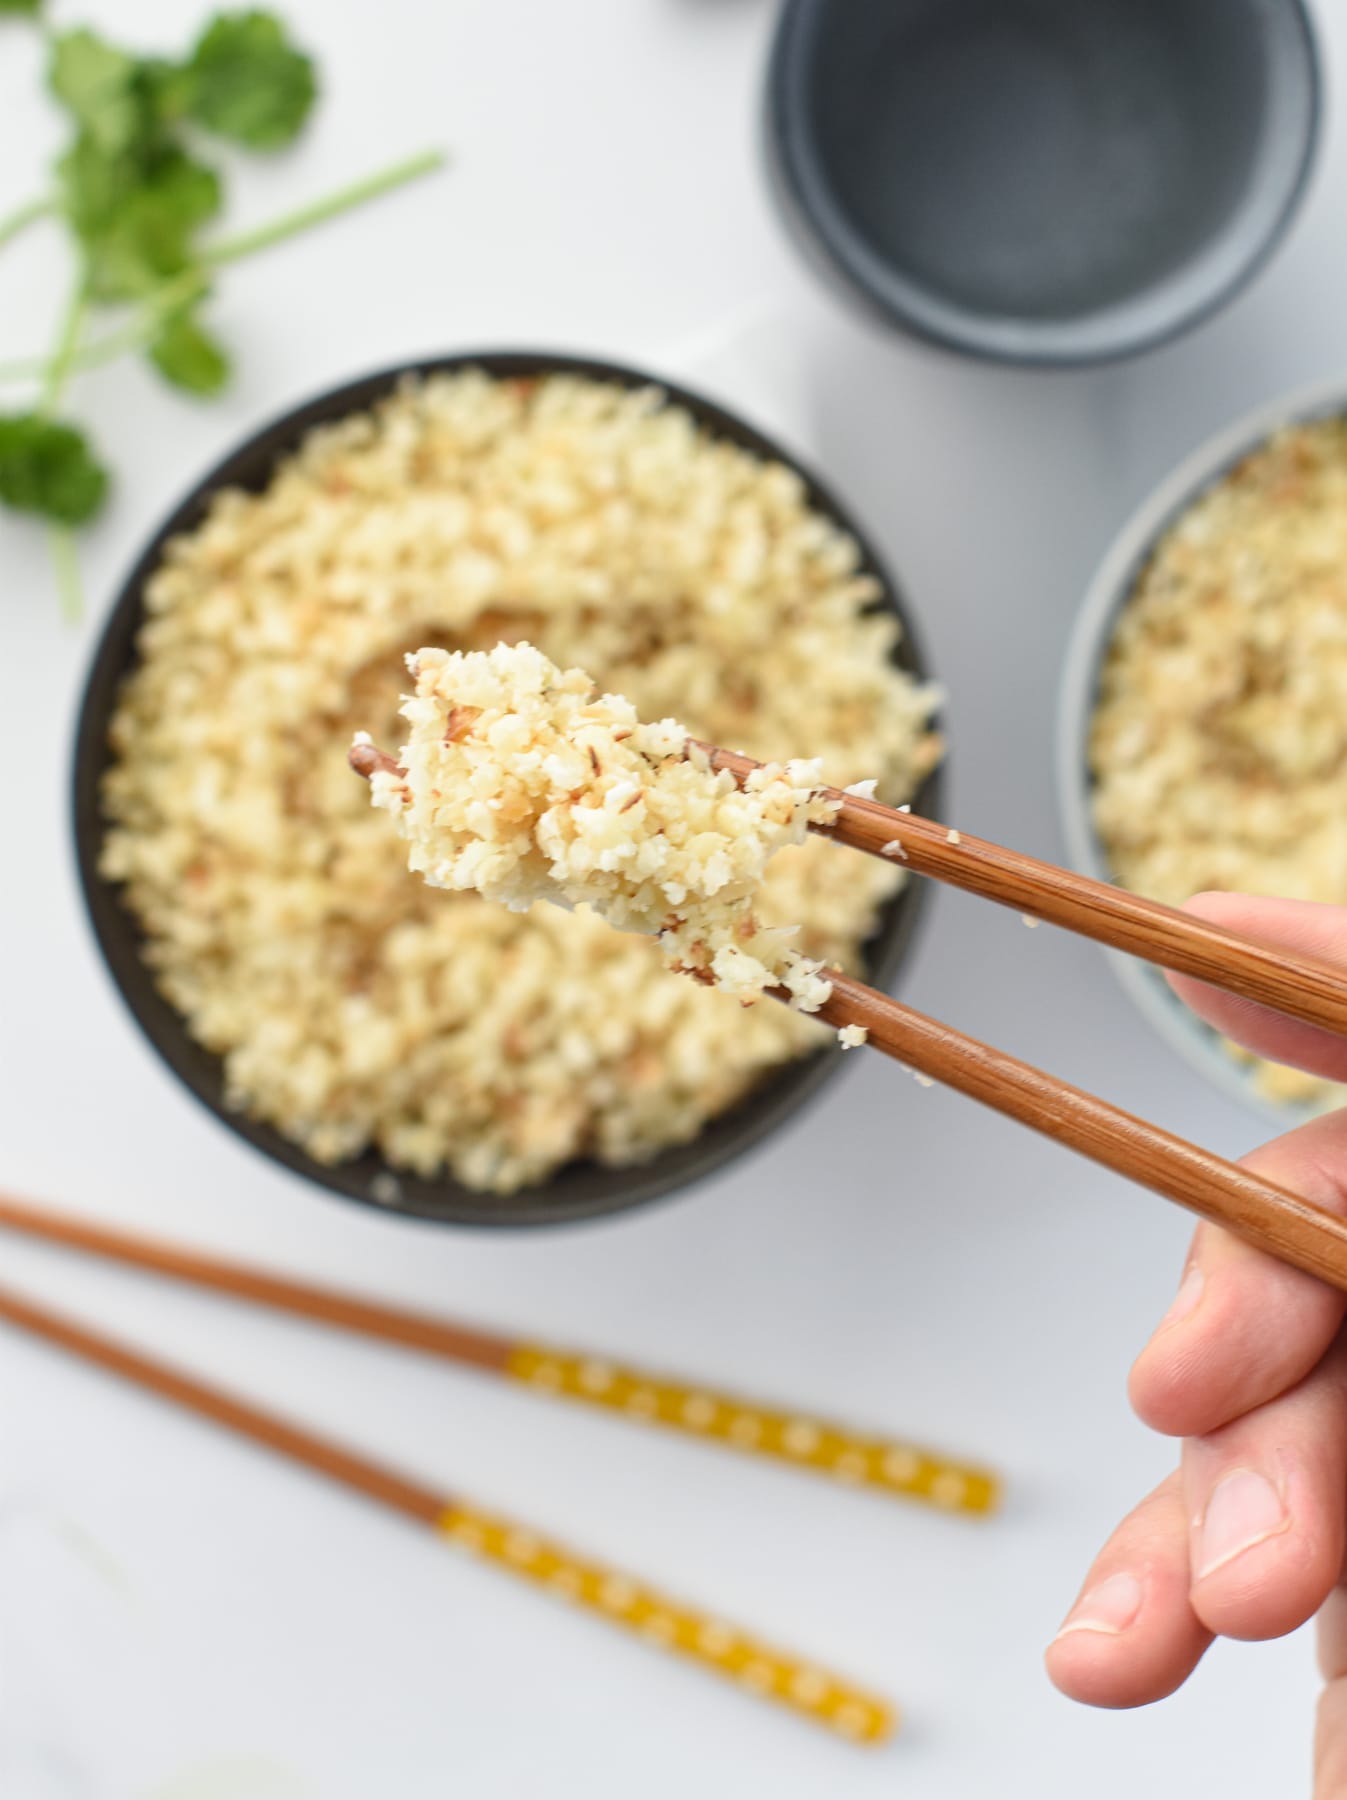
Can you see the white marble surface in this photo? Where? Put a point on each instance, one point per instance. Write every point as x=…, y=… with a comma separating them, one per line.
x=181, y=1616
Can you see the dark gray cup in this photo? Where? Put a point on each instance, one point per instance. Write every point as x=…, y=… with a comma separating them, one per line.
x=1043, y=181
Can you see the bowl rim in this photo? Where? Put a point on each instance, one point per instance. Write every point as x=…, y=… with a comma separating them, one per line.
x=1107, y=593
x=582, y=1190
x=1178, y=303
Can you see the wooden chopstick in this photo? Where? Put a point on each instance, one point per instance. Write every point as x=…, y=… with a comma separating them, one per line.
x=801, y=1439
x=816, y=1694
x=1275, y=1219
x=1302, y=987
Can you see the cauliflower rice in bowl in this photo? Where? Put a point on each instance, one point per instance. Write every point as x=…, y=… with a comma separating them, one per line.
x=429, y=1050
x=1204, y=701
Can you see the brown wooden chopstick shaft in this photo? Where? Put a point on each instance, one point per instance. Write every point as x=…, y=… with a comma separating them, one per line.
x=320, y=1454
x=824, y=1447
x=1301, y=987
x=1269, y=1216
x=459, y=1343
x=828, y=1701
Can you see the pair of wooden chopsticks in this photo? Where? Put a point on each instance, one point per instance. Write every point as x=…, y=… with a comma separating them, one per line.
x=806, y=1441
x=1302, y=987
x=800, y=1438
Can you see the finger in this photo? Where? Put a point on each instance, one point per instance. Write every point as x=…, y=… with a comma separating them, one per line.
x=1300, y=925
x=1330, y=1733
x=1245, y=1327
x=1265, y=1497
x=1132, y=1636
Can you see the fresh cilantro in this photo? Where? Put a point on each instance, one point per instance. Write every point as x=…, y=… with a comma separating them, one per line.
x=48, y=468
x=134, y=192
x=121, y=103
x=97, y=83
x=246, y=81
x=163, y=87
x=186, y=354
x=137, y=222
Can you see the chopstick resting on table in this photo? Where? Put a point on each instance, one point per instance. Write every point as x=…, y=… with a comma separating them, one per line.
x=800, y=1439
x=1306, y=1236
x=815, y=1693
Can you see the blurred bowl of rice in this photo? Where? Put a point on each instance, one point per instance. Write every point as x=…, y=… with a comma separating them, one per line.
x=1202, y=733
x=426, y=1052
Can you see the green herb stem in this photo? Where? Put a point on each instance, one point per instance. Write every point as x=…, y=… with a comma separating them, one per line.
x=60, y=539
x=184, y=288
x=24, y=216
x=66, y=348
x=318, y=212
x=134, y=335
x=28, y=368
x=138, y=331
x=64, y=553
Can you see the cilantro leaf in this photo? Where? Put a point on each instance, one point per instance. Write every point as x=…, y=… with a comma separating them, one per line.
x=93, y=185
x=189, y=356
x=96, y=82
x=29, y=8
x=48, y=468
x=246, y=81
x=163, y=89
x=142, y=247
x=132, y=194
x=180, y=191
x=119, y=101
x=136, y=213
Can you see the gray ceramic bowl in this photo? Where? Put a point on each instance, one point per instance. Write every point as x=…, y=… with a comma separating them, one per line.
x=581, y=1190
x=1104, y=599
x=1043, y=181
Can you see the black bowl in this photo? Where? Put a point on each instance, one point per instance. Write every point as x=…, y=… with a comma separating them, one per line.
x=1043, y=181
x=581, y=1190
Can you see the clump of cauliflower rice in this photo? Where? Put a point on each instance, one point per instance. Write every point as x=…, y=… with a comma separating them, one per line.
x=1219, y=740
x=356, y=1010
x=521, y=781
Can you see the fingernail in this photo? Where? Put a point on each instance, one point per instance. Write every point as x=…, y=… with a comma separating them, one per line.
x=1110, y=1607
x=1190, y=1292
x=1244, y=1509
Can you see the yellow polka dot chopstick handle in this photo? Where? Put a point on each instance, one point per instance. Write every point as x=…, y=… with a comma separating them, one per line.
x=795, y=1438
x=823, y=1698
x=801, y=1439
x=730, y=1653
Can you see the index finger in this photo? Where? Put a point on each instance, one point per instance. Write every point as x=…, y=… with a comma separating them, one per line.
x=1244, y=1327
x=1302, y=925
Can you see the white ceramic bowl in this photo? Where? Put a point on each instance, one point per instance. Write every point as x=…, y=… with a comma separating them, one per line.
x=1106, y=595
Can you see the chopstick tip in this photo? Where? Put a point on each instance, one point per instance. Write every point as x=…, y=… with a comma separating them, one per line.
x=367, y=759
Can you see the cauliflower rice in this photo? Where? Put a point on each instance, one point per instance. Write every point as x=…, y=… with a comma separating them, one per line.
x=353, y=1007
x=1219, y=740
x=521, y=782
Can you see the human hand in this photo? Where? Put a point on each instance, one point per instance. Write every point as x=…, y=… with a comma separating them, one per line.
x=1249, y=1368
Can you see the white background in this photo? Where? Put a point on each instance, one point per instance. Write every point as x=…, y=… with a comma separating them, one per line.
x=180, y=1615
